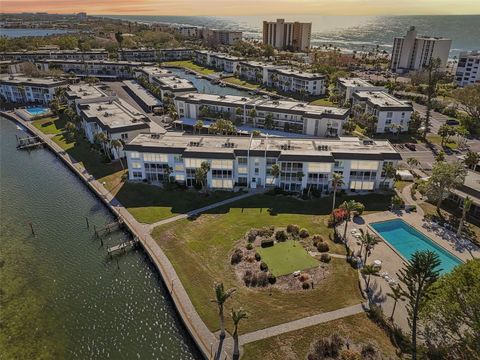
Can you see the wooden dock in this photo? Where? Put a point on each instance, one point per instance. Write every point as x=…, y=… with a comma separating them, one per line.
x=107, y=229
x=28, y=142
x=122, y=247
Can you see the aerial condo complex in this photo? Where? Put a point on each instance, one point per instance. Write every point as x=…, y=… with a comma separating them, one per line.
x=197, y=180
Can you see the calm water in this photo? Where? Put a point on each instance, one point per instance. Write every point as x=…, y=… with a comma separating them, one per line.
x=206, y=87
x=13, y=33
x=347, y=32
x=62, y=298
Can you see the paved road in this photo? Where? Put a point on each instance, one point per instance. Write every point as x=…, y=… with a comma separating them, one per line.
x=436, y=119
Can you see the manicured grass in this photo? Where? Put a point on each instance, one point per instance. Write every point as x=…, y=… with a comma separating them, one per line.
x=235, y=81
x=190, y=65
x=149, y=203
x=400, y=184
x=49, y=125
x=296, y=344
x=286, y=257
x=437, y=140
x=200, y=252
x=322, y=102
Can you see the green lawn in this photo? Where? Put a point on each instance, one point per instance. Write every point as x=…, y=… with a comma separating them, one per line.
x=200, y=252
x=322, y=102
x=235, y=81
x=295, y=345
x=149, y=203
x=400, y=184
x=286, y=257
x=191, y=66
x=437, y=140
x=49, y=125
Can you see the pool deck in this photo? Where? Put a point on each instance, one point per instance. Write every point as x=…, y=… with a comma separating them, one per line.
x=392, y=261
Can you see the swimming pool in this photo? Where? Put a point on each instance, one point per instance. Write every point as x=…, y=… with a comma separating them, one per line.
x=406, y=240
x=37, y=110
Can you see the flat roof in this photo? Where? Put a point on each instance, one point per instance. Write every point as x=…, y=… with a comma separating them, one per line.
x=84, y=91
x=381, y=99
x=19, y=79
x=324, y=149
x=264, y=104
x=94, y=62
x=355, y=82
x=155, y=71
x=115, y=115
x=298, y=73
x=174, y=83
x=258, y=64
x=142, y=93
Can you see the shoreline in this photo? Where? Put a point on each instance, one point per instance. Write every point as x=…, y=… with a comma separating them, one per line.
x=200, y=334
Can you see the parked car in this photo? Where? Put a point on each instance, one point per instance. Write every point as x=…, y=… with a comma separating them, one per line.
x=452, y=122
x=411, y=147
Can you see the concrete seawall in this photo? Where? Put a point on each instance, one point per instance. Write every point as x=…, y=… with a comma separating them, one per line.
x=205, y=340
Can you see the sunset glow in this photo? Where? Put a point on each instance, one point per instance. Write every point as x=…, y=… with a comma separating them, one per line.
x=246, y=7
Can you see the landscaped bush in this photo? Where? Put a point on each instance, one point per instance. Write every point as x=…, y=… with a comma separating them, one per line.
x=247, y=277
x=305, y=286
x=369, y=351
x=249, y=246
x=316, y=238
x=325, y=258
x=258, y=257
x=304, y=277
x=236, y=257
x=272, y=279
x=252, y=235
x=303, y=233
x=323, y=247
x=348, y=354
x=327, y=347
x=267, y=243
x=266, y=231
x=293, y=229
x=262, y=279
x=263, y=266
x=281, y=235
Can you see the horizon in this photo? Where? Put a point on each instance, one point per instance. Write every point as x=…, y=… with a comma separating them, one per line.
x=247, y=7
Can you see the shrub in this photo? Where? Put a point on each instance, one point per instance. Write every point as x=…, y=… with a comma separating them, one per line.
x=303, y=233
x=325, y=258
x=348, y=354
x=267, y=243
x=252, y=235
x=323, y=247
x=369, y=351
x=293, y=229
x=257, y=256
x=305, y=286
x=236, y=257
x=262, y=279
x=272, y=279
x=316, y=238
x=304, y=277
x=263, y=266
x=249, y=246
x=247, y=277
x=327, y=347
x=266, y=231
x=281, y=235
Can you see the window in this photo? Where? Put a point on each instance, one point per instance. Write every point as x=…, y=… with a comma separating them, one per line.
x=339, y=164
x=134, y=155
x=152, y=157
x=222, y=164
x=124, y=136
x=137, y=174
x=242, y=161
x=319, y=167
x=136, y=165
x=177, y=158
x=389, y=114
x=180, y=177
x=193, y=163
x=222, y=183
x=364, y=165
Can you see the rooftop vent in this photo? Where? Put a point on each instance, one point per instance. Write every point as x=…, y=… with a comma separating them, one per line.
x=228, y=144
x=368, y=142
x=106, y=114
x=155, y=136
x=322, y=148
x=286, y=147
x=194, y=143
x=99, y=108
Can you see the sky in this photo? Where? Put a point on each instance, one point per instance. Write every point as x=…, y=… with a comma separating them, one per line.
x=246, y=7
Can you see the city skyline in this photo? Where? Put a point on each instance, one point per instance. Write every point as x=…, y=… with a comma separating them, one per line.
x=247, y=7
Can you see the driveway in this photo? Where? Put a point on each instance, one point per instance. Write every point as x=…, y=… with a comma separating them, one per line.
x=436, y=119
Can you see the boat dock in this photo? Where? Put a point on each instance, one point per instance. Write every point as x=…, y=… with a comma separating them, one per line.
x=121, y=247
x=28, y=142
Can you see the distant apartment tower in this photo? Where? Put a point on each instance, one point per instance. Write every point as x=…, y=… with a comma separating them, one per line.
x=82, y=16
x=214, y=37
x=283, y=35
x=414, y=52
x=468, y=68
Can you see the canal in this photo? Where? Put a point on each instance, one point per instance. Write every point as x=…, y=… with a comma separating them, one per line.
x=61, y=295
x=206, y=87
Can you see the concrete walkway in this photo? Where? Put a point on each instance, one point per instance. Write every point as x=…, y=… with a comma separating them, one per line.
x=301, y=323
x=407, y=197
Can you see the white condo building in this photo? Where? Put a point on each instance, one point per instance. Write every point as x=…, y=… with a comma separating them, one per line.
x=392, y=114
x=349, y=86
x=414, y=52
x=285, y=115
x=283, y=35
x=468, y=68
x=219, y=61
x=35, y=55
x=247, y=161
x=21, y=89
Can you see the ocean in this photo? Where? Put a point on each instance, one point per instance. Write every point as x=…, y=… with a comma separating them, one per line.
x=346, y=32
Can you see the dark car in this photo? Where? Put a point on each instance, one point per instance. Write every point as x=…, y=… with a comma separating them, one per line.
x=411, y=147
x=452, y=122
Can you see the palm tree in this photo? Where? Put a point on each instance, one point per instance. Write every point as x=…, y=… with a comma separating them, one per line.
x=117, y=145
x=432, y=71
x=221, y=296
x=237, y=316
x=467, y=204
x=369, y=241
x=396, y=295
x=412, y=162
x=367, y=271
x=119, y=38
x=337, y=181
x=389, y=172
x=275, y=171
x=349, y=207
x=418, y=275
x=102, y=139
x=198, y=126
